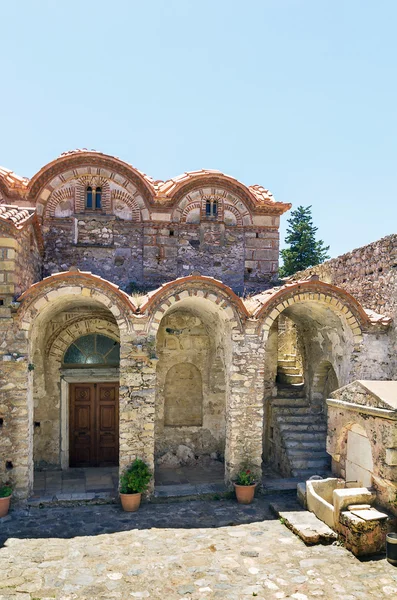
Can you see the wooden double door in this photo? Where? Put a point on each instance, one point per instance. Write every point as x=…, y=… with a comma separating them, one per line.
x=94, y=425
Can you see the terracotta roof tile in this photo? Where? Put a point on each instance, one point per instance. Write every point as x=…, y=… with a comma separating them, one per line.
x=17, y=215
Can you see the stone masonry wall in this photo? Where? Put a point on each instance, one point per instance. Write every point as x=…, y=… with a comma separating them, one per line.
x=135, y=255
x=370, y=275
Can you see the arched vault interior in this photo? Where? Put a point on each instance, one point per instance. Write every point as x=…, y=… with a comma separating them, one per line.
x=193, y=344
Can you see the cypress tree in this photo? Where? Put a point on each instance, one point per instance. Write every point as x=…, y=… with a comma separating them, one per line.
x=304, y=251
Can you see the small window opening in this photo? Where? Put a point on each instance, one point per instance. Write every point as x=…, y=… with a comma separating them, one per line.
x=208, y=208
x=88, y=197
x=249, y=270
x=36, y=424
x=171, y=232
x=215, y=208
x=1, y=302
x=9, y=465
x=98, y=198
x=257, y=235
x=1, y=421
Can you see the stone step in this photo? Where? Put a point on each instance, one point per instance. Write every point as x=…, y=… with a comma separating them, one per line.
x=305, y=474
x=290, y=357
x=290, y=391
x=286, y=363
x=309, y=463
x=317, y=444
x=290, y=401
x=291, y=411
x=289, y=379
x=286, y=429
x=298, y=436
x=311, y=454
x=305, y=417
x=288, y=370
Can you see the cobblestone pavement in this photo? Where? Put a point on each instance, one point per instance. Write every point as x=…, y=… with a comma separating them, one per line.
x=202, y=549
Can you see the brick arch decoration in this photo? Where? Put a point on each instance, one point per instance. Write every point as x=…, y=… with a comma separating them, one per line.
x=75, y=283
x=227, y=200
x=330, y=296
x=194, y=286
x=94, y=181
x=185, y=186
x=129, y=200
x=236, y=213
x=65, y=335
x=63, y=194
x=75, y=165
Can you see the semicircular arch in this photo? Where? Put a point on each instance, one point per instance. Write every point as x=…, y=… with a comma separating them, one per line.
x=77, y=164
x=329, y=296
x=194, y=287
x=78, y=288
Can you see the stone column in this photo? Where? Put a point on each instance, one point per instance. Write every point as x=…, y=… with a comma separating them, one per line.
x=137, y=401
x=244, y=411
x=16, y=411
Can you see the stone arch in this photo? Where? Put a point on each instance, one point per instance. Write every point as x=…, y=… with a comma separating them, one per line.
x=195, y=201
x=81, y=289
x=133, y=212
x=81, y=325
x=77, y=164
x=194, y=287
x=324, y=381
x=317, y=292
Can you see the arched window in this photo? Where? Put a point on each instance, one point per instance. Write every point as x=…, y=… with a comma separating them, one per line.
x=93, y=349
x=211, y=208
x=93, y=198
x=98, y=198
x=88, y=197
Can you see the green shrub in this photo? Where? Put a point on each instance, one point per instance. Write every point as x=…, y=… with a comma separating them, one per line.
x=135, y=478
x=5, y=491
x=245, y=477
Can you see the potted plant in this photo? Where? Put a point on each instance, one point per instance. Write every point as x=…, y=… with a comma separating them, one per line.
x=245, y=485
x=5, y=497
x=133, y=482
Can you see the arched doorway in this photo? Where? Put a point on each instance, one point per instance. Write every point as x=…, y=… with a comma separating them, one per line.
x=93, y=414
x=312, y=330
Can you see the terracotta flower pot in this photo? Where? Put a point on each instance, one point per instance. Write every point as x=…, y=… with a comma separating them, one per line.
x=245, y=493
x=4, y=505
x=130, y=502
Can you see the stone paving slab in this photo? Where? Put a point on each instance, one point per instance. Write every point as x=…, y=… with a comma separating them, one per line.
x=193, y=550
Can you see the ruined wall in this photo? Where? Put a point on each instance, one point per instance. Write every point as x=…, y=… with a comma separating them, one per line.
x=380, y=431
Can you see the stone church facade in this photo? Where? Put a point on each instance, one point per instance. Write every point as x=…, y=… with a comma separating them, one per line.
x=139, y=315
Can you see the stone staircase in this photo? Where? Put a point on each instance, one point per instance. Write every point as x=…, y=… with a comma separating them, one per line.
x=288, y=373
x=298, y=431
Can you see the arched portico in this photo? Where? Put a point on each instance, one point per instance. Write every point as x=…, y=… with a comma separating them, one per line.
x=322, y=328
x=55, y=315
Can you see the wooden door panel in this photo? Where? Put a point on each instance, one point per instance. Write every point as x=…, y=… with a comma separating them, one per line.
x=108, y=424
x=82, y=425
x=94, y=425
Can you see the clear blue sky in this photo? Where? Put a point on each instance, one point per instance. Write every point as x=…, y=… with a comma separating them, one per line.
x=297, y=95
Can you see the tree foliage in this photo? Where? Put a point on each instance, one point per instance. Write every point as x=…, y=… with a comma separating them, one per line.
x=304, y=250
